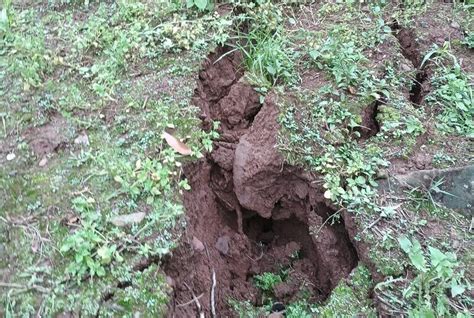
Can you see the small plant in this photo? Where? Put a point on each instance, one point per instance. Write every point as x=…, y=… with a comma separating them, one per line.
x=90, y=248
x=436, y=273
x=267, y=281
x=268, y=58
x=452, y=96
x=201, y=5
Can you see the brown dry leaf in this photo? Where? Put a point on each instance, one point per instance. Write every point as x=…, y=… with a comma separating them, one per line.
x=176, y=144
x=352, y=90
x=35, y=245
x=127, y=219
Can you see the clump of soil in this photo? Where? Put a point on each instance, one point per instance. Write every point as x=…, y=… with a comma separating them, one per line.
x=248, y=212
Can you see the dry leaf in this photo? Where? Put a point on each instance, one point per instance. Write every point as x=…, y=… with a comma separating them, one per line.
x=176, y=144
x=127, y=219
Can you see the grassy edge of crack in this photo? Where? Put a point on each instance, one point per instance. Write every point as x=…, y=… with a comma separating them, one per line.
x=93, y=243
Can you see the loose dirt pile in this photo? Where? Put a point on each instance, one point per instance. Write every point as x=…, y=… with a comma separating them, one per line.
x=249, y=213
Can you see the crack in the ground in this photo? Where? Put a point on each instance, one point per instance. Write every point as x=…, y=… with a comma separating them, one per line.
x=248, y=213
x=412, y=52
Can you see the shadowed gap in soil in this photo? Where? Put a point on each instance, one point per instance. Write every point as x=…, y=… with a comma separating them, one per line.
x=412, y=52
x=225, y=244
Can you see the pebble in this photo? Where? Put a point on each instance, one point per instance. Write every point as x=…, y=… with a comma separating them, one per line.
x=11, y=156
x=43, y=162
x=170, y=281
x=222, y=244
x=197, y=244
x=82, y=140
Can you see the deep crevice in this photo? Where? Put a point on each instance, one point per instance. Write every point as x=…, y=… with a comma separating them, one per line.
x=412, y=52
x=294, y=235
x=370, y=125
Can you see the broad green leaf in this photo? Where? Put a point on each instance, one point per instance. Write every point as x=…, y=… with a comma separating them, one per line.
x=201, y=4
x=405, y=244
x=436, y=256
x=457, y=289
x=414, y=251
x=418, y=260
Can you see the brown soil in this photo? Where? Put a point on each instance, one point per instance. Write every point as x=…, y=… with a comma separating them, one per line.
x=46, y=139
x=248, y=212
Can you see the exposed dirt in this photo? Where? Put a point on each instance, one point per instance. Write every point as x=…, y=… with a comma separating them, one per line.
x=249, y=213
x=46, y=139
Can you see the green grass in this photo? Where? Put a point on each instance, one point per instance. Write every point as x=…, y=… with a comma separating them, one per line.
x=80, y=64
x=452, y=97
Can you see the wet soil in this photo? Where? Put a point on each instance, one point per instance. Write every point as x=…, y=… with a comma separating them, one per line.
x=248, y=212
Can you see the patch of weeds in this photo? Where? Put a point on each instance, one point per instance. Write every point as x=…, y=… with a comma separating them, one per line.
x=299, y=309
x=405, y=12
x=201, y=5
x=323, y=140
x=267, y=281
x=350, y=298
x=443, y=160
x=452, y=97
x=244, y=309
x=438, y=288
x=24, y=52
x=324, y=132
x=148, y=292
x=268, y=54
x=423, y=199
x=268, y=58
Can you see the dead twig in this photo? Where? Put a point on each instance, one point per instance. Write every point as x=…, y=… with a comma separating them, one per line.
x=213, y=305
x=189, y=302
x=196, y=300
x=38, y=288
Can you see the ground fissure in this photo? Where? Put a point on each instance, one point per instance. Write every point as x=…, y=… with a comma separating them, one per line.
x=248, y=212
x=411, y=51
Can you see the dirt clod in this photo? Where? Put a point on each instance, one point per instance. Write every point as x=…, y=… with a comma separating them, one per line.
x=197, y=245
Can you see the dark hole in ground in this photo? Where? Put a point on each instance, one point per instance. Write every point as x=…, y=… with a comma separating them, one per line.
x=417, y=93
x=293, y=237
x=369, y=126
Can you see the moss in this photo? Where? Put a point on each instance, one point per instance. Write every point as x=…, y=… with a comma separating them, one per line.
x=350, y=298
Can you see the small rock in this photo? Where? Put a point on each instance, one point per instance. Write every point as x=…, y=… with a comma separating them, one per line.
x=11, y=156
x=197, y=244
x=406, y=68
x=43, y=162
x=169, y=281
x=82, y=140
x=455, y=25
x=127, y=219
x=456, y=244
x=222, y=244
x=382, y=174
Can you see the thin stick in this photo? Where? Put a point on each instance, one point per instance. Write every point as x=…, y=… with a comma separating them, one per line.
x=189, y=302
x=38, y=288
x=196, y=300
x=213, y=305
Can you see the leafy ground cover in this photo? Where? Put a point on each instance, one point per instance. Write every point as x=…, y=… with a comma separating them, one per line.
x=117, y=118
